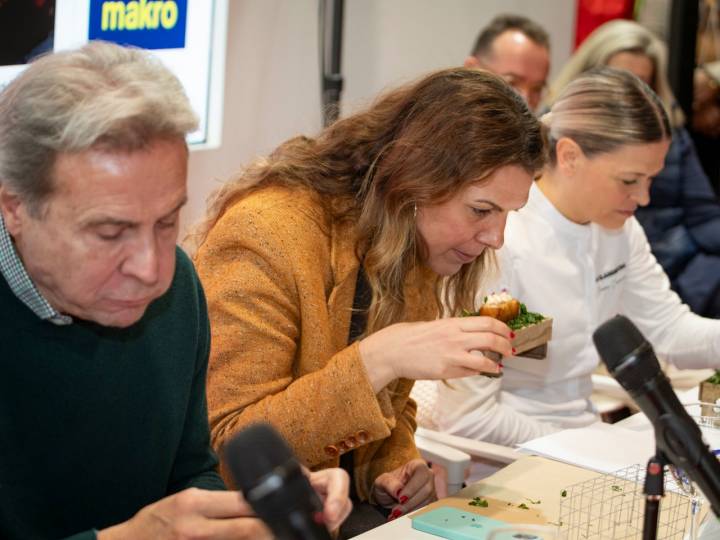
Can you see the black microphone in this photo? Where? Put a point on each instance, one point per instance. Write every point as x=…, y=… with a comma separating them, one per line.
x=632, y=362
x=265, y=469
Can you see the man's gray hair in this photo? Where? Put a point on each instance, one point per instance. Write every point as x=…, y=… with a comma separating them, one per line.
x=100, y=96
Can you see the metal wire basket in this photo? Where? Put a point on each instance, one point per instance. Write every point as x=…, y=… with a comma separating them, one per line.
x=611, y=507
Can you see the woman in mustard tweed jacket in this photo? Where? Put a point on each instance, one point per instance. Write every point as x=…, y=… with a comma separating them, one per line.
x=413, y=190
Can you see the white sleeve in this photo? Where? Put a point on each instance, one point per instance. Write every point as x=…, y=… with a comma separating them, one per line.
x=677, y=335
x=470, y=407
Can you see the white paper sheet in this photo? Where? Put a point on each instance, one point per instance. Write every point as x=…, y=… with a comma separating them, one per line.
x=599, y=447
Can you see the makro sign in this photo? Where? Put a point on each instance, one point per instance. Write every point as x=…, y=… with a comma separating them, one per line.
x=143, y=23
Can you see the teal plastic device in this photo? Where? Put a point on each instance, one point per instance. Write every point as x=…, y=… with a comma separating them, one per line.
x=455, y=524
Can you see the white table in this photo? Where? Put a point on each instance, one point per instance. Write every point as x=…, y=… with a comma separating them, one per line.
x=401, y=528
x=528, y=478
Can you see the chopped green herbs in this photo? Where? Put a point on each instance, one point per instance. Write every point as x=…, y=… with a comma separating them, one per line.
x=533, y=502
x=478, y=501
x=563, y=493
x=616, y=488
x=523, y=506
x=715, y=379
x=524, y=318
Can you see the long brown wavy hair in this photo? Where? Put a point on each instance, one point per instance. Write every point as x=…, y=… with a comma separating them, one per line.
x=417, y=145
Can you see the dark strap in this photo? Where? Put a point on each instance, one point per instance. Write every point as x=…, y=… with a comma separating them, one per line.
x=358, y=323
x=361, y=304
x=364, y=516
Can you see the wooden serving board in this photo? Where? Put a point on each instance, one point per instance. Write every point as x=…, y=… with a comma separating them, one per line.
x=529, y=341
x=531, y=338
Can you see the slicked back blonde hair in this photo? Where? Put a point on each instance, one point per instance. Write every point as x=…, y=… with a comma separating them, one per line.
x=101, y=95
x=610, y=39
x=417, y=145
x=604, y=109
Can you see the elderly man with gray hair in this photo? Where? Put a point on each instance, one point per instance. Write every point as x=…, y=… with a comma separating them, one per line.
x=104, y=335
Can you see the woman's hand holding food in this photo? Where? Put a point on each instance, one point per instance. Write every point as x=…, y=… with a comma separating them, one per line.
x=440, y=349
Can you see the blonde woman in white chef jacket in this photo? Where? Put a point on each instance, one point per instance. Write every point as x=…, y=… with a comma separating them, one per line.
x=576, y=253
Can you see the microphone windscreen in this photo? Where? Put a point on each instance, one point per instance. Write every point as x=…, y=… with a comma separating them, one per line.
x=615, y=339
x=254, y=452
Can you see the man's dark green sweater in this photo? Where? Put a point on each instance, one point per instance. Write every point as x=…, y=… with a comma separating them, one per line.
x=96, y=422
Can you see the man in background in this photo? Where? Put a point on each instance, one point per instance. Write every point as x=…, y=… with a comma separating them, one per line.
x=518, y=50
x=104, y=335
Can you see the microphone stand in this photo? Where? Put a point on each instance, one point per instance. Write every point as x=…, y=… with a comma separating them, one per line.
x=654, y=490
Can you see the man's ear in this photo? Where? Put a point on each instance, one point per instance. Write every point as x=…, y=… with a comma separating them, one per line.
x=12, y=209
x=569, y=155
x=471, y=62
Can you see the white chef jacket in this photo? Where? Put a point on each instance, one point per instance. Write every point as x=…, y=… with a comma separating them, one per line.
x=580, y=275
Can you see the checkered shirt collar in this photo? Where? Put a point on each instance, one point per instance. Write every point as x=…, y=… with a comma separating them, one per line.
x=20, y=283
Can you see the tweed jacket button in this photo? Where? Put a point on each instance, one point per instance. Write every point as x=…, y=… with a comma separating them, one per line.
x=331, y=450
x=342, y=445
x=362, y=436
x=351, y=441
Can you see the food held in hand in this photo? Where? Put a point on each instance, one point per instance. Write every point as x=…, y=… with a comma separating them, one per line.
x=509, y=310
x=532, y=330
x=500, y=306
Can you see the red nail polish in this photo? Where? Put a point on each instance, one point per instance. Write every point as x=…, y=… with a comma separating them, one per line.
x=396, y=513
x=512, y=335
x=397, y=493
x=403, y=499
x=514, y=350
x=500, y=366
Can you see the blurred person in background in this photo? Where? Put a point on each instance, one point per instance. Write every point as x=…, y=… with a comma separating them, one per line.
x=706, y=101
x=517, y=49
x=705, y=126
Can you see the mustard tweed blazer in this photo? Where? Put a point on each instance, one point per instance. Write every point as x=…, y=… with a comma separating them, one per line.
x=280, y=276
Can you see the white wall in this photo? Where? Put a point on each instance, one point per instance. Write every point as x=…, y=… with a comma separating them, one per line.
x=272, y=86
